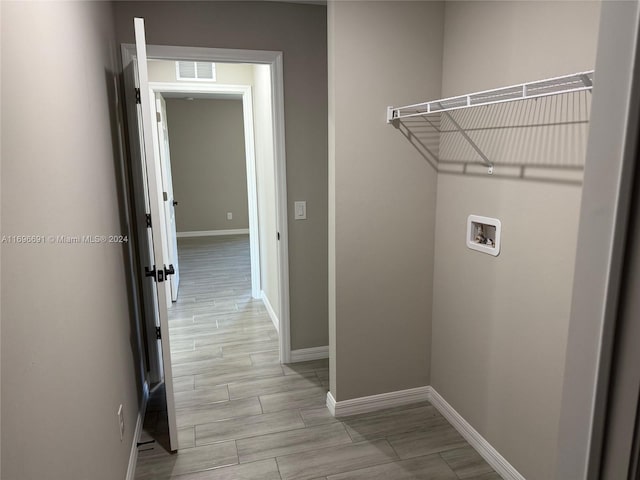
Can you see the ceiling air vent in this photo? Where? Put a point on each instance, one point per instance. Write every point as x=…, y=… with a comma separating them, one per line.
x=205, y=71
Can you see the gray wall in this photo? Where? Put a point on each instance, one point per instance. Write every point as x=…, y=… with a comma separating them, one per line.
x=500, y=323
x=208, y=164
x=68, y=342
x=383, y=194
x=300, y=32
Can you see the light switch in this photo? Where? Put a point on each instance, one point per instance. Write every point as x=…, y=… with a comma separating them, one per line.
x=300, y=211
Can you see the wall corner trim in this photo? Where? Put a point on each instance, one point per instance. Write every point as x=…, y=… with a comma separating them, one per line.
x=477, y=441
x=133, y=456
x=212, y=233
x=307, y=354
x=381, y=401
x=331, y=404
x=270, y=310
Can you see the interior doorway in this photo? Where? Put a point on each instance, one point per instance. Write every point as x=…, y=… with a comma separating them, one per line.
x=150, y=198
x=161, y=91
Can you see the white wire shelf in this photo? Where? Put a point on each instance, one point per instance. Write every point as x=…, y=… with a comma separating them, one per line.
x=575, y=82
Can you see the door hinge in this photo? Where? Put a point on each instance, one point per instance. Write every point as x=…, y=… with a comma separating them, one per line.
x=158, y=275
x=150, y=272
x=148, y=215
x=165, y=196
x=158, y=333
x=158, y=117
x=278, y=236
x=138, y=99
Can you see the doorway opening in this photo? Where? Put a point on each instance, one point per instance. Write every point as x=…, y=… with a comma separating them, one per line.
x=210, y=141
x=137, y=85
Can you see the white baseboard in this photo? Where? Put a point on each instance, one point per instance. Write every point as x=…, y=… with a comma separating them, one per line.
x=212, y=233
x=270, y=310
x=372, y=403
x=306, y=354
x=331, y=404
x=133, y=456
x=477, y=441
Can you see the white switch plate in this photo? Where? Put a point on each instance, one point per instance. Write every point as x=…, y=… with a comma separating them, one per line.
x=229, y=216
x=300, y=210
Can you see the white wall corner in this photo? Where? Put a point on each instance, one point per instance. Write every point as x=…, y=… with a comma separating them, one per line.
x=477, y=441
x=270, y=310
x=133, y=456
x=307, y=354
x=381, y=401
x=331, y=404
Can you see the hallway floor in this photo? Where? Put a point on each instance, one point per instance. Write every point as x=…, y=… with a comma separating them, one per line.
x=243, y=416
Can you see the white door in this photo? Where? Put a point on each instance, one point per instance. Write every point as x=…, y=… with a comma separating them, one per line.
x=141, y=219
x=150, y=165
x=167, y=184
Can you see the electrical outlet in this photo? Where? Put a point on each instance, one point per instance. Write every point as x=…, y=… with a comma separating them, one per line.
x=121, y=422
x=229, y=216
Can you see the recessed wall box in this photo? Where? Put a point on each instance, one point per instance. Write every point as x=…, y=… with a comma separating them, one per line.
x=483, y=234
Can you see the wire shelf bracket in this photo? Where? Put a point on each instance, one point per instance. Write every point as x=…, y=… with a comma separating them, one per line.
x=576, y=82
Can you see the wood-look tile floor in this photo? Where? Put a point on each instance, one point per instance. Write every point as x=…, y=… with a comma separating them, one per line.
x=243, y=416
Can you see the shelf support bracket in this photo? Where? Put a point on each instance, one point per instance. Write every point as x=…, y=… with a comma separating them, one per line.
x=586, y=80
x=391, y=116
x=460, y=130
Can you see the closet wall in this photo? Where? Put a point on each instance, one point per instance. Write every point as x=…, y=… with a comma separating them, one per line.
x=500, y=323
x=381, y=196
x=70, y=345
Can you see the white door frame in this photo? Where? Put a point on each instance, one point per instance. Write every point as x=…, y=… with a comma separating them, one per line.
x=250, y=158
x=274, y=60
